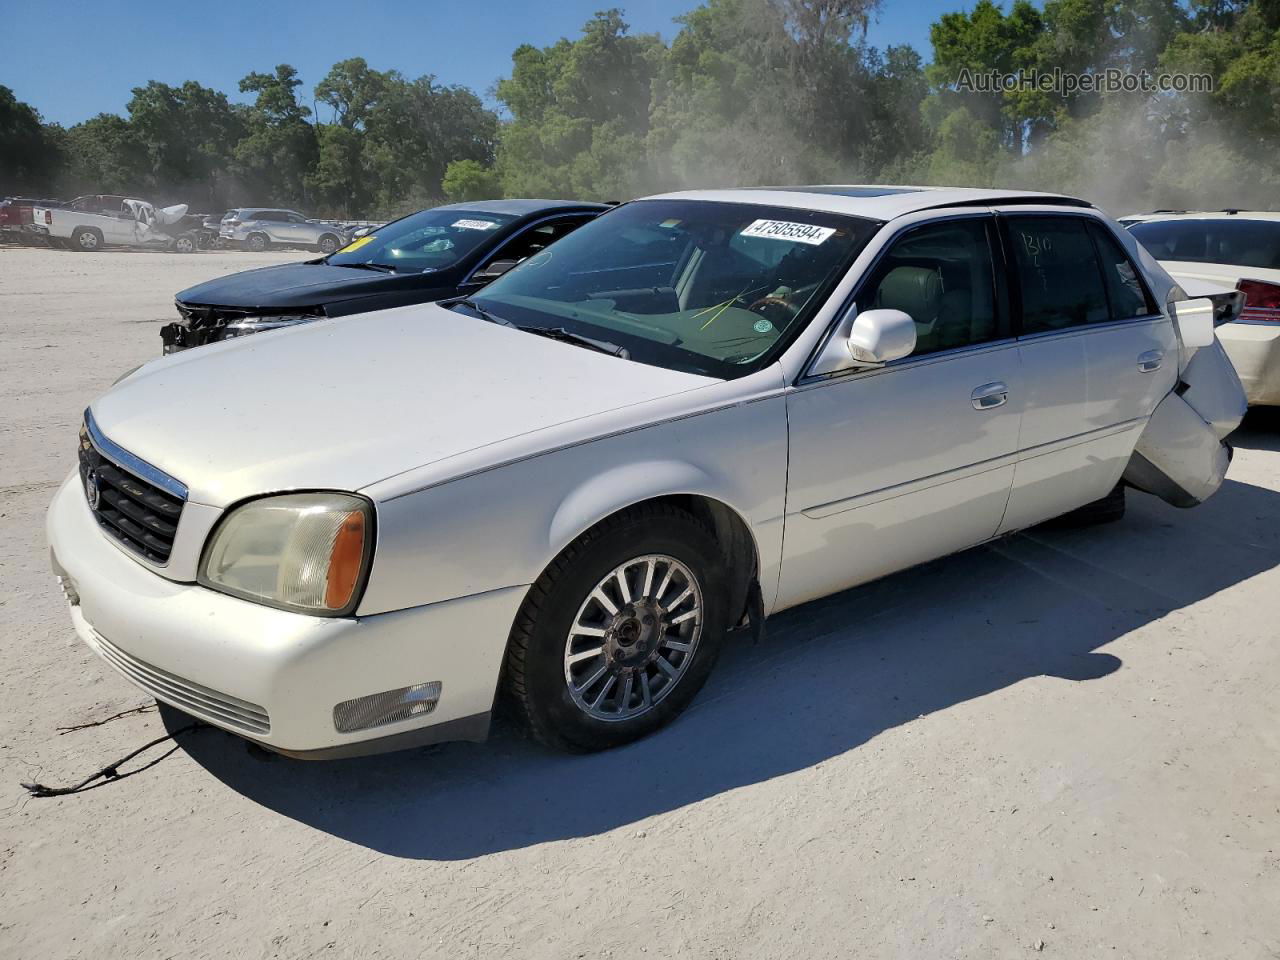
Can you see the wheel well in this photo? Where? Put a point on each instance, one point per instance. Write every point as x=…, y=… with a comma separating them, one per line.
x=742, y=560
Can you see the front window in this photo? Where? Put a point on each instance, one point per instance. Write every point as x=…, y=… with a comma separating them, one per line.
x=712, y=288
x=430, y=240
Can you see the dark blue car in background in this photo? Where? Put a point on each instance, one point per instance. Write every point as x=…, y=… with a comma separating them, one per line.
x=449, y=251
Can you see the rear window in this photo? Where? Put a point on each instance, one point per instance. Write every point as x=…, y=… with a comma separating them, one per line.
x=1058, y=273
x=1236, y=242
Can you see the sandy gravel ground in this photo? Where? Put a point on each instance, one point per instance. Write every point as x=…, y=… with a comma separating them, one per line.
x=1065, y=744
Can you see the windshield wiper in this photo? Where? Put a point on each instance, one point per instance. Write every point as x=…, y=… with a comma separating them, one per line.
x=484, y=314
x=380, y=267
x=577, y=339
x=551, y=333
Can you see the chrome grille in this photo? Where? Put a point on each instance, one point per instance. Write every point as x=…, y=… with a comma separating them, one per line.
x=132, y=501
x=191, y=697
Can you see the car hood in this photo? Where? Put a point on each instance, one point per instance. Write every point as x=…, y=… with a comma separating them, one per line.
x=290, y=285
x=343, y=403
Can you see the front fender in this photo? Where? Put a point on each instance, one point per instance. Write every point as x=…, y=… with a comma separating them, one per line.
x=501, y=527
x=604, y=494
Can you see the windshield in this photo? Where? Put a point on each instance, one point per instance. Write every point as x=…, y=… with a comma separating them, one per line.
x=430, y=240
x=711, y=288
x=1236, y=242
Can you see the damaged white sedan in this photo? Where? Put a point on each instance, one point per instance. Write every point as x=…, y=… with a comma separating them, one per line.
x=696, y=410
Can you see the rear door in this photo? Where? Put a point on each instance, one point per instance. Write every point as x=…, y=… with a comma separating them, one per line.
x=1097, y=353
x=893, y=466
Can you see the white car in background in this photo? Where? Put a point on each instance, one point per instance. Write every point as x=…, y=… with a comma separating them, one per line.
x=1207, y=252
x=696, y=410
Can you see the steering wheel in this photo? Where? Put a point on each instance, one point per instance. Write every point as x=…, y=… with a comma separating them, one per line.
x=777, y=310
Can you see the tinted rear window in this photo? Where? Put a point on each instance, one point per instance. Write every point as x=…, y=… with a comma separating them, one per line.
x=1246, y=243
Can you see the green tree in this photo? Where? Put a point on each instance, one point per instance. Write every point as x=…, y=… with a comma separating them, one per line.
x=28, y=164
x=188, y=132
x=415, y=129
x=580, y=113
x=280, y=147
x=106, y=154
x=352, y=89
x=470, y=180
x=338, y=182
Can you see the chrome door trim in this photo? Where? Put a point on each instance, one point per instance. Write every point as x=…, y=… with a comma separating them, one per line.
x=1087, y=328
x=840, y=376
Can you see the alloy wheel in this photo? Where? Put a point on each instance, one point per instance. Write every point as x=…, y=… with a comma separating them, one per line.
x=633, y=638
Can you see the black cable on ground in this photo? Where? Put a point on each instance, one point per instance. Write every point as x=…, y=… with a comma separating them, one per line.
x=63, y=731
x=111, y=772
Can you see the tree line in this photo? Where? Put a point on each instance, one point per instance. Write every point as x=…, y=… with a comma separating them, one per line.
x=747, y=92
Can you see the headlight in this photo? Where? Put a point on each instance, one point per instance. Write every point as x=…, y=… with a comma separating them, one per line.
x=307, y=552
x=247, y=325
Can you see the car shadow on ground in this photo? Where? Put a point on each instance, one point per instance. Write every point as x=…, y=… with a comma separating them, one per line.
x=1259, y=431
x=829, y=677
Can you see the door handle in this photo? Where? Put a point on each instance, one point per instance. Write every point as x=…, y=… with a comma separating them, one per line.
x=1150, y=361
x=990, y=395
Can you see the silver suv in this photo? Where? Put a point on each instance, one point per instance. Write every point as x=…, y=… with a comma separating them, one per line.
x=257, y=228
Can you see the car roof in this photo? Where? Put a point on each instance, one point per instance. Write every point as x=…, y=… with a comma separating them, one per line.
x=875, y=201
x=523, y=208
x=1228, y=214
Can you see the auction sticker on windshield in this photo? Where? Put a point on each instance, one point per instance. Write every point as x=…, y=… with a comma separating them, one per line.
x=784, y=230
x=473, y=224
x=357, y=244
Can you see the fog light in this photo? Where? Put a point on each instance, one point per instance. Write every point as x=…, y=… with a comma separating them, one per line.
x=379, y=709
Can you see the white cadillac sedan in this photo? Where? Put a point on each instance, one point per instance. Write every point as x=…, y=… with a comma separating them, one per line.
x=697, y=410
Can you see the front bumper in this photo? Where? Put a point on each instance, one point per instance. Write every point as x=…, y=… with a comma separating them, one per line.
x=269, y=675
x=1254, y=349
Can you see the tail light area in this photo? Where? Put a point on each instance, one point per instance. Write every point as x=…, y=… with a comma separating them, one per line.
x=1261, y=302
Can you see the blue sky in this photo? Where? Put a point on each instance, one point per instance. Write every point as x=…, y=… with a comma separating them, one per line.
x=73, y=59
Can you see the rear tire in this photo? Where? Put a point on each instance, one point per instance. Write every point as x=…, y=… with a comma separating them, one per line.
x=1109, y=509
x=256, y=242
x=673, y=569
x=87, y=239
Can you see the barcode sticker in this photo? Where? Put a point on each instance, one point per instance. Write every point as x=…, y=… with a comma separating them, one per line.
x=474, y=224
x=785, y=230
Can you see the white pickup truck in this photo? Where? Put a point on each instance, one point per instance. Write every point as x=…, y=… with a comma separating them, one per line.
x=94, y=222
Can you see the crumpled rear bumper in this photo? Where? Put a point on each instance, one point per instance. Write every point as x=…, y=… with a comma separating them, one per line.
x=1182, y=455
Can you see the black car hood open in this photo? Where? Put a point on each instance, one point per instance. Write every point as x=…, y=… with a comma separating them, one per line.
x=289, y=285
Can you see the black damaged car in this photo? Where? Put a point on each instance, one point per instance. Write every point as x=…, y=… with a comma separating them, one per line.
x=448, y=251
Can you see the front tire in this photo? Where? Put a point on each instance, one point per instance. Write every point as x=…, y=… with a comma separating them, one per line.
x=620, y=632
x=328, y=244
x=185, y=244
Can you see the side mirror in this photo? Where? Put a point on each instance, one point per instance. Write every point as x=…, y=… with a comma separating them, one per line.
x=868, y=339
x=1195, y=321
x=496, y=269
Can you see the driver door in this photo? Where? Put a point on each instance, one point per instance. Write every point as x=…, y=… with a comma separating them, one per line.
x=893, y=466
